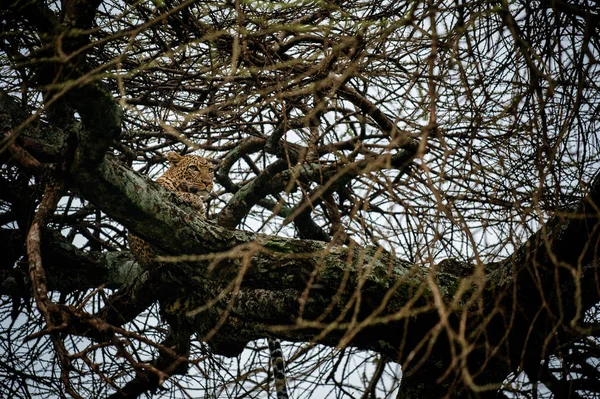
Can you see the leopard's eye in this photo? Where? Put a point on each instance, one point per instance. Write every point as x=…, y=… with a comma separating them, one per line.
x=193, y=168
x=210, y=170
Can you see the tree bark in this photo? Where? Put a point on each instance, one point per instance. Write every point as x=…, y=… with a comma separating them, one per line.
x=374, y=300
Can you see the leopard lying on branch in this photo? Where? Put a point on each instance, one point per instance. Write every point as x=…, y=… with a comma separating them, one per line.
x=191, y=178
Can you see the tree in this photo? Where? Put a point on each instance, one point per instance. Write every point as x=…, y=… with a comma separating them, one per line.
x=399, y=183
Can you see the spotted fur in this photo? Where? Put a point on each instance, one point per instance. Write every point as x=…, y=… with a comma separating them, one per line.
x=191, y=177
x=278, y=366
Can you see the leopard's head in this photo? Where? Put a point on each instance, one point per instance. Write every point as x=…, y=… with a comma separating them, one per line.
x=190, y=173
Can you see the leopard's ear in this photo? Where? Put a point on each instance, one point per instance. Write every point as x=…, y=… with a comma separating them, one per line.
x=174, y=158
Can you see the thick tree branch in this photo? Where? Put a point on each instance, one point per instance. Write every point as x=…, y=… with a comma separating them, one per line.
x=463, y=327
x=68, y=268
x=148, y=210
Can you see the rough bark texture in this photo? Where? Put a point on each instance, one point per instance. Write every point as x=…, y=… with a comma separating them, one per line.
x=367, y=289
x=511, y=313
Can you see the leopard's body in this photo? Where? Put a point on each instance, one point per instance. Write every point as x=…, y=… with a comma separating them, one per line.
x=191, y=178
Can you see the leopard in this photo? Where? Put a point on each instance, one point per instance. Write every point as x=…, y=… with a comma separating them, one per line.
x=191, y=178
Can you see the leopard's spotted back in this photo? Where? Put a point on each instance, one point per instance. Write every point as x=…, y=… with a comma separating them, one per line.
x=191, y=177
